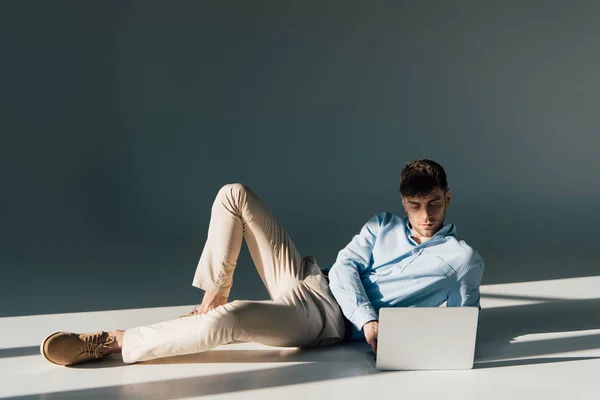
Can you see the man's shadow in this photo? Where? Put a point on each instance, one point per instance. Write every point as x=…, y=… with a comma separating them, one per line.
x=296, y=366
x=347, y=353
x=499, y=327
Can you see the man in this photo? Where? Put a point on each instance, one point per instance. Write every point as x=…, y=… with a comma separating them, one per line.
x=414, y=261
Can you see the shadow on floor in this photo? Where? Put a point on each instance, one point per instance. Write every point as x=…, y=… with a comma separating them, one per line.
x=20, y=351
x=355, y=352
x=498, y=327
x=347, y=353
x=221, y=383
x=528, y=361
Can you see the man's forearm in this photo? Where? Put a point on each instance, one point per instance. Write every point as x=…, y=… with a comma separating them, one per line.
x=350, y=294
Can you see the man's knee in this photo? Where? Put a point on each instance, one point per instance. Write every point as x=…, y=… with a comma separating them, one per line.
x=232, y=190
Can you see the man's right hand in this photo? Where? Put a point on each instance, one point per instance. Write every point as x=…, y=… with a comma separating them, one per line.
x=371, y=331
x=211, y=301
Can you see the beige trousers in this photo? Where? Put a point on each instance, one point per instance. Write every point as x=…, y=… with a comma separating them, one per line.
x=302, y=312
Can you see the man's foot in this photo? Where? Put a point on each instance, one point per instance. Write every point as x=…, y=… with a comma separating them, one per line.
x=65, y=348
x=209, y=302
x=193, y=312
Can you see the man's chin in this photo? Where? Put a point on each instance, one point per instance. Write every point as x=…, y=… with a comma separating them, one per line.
x=428, y=232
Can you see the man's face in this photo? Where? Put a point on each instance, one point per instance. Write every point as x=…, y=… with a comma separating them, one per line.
x=426, y=214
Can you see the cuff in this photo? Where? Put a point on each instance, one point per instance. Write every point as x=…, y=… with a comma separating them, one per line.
x=362, y=315
x=209, y=287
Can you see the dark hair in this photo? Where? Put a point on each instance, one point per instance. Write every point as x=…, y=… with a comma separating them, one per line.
x=420, y=177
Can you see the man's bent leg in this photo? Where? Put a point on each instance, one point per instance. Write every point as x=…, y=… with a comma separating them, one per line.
x=266, y=322
x=237, y=212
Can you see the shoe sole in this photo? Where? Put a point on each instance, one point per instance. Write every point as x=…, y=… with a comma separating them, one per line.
x=42, y=348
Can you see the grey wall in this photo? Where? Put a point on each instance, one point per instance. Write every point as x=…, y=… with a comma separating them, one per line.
x=120, y=121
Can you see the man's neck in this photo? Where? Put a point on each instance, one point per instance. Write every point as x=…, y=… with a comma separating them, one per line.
x=419, y=239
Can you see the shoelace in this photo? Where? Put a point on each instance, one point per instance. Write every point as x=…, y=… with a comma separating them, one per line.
x=93, y=344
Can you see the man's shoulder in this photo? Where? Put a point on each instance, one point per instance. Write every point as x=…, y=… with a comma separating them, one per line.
x=387, y=218
x=461, y=255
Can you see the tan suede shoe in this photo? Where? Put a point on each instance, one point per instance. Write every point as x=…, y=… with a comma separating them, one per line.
x=65, y=348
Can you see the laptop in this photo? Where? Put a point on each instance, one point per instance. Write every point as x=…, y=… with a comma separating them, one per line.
x=426, y=338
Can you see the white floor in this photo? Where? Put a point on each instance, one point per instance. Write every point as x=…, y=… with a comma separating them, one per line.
x=536, y=340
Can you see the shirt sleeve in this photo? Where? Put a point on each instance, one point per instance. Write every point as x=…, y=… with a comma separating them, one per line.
x=466, y=291
x=344, y=275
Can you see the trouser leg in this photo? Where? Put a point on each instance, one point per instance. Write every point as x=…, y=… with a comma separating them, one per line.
x=238, y=213
x=266, y=322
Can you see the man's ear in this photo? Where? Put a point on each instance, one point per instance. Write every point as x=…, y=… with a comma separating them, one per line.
x=448, y=197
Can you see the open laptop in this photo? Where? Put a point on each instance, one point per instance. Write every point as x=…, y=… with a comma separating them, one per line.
x=420, y=338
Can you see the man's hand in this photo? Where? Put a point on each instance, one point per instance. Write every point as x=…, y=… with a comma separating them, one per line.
x=211, y=301
x=371, y=331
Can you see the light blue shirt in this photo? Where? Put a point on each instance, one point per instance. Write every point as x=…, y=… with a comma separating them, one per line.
x=384, y=267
